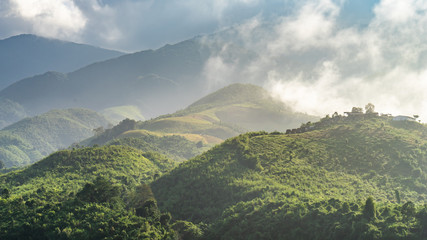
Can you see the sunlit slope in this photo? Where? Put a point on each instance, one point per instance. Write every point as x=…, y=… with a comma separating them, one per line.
x=176, y=146
x=66, y=171
x=229, y=111
x=118, y=113
x=204, y=139
x=271, y=179
x=179, y=147
x=225, y=113
x=88, y=193
x=32, y=138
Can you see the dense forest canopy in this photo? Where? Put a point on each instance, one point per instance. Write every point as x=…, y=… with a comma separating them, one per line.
x=354, y=177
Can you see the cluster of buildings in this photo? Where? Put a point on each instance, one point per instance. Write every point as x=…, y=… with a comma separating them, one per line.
x=350, y=115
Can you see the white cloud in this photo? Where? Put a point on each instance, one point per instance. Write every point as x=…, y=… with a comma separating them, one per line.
x=305, y=55
x=384, y=63
x=51, y=18
x=395, y=10
x=312, y=23
x=315, y=66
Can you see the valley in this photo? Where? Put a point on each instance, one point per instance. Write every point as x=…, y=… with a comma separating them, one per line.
x=213, y=120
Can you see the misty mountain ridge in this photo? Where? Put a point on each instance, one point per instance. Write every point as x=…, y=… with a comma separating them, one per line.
x=238, y=108
x=27, y=55
x=31, y=139
x=212, y=137
x=156, y=81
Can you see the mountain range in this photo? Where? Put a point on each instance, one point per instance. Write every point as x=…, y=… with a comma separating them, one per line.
x=26, y=55
x=360, y=177
x=31, y=139
x=193, y=157
x=228, y=112
x=225, y=113
x=155, y=81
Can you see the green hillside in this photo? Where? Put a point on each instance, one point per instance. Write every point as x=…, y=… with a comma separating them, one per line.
x=236, y=93
x=229, y=111
x=311, y=185
x=118, y=113
x=32, y=138
x=174, y=146
x=90, y=193
x=10, y=112
x=225, y=113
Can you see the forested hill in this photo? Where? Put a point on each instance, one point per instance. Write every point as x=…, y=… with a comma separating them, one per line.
x=90, y=193
x=27, y=55
x=357, y=177
x=311, y=185
x=232, y=110
x=228, y=112
x=33, y=138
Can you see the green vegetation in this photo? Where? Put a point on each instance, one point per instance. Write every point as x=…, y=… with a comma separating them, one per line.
x=358, y=177
x=174, y=147
x=228, y=112
x=335, y=182
x=225, y=113
x=10, y=112
x=32, y=138
x=85, y=194
x=117, y=114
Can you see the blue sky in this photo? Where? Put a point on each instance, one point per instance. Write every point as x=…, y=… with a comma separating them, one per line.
x=131, y=25
x=317, y=56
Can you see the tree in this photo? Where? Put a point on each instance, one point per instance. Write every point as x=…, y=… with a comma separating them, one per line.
x=369, y=108
x=165, y=219
x=5, y=193
x=98, y=131
x=125, y=125
x=369, y=211
x=142, y=194
x=422, y=222
x=101, y=190
x=357, y=110
x=187, y=230
x=396, y=192
x=1, y=164
x=408, y=210
x=335, y=115
x=148, y=210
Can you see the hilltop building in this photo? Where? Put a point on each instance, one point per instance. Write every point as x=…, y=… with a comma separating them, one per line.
x=352, y=114
x=403, y=118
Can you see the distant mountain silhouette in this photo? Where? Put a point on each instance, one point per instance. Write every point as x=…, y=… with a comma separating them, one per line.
x=155, y=81
x=27, y=55
x=152, y=80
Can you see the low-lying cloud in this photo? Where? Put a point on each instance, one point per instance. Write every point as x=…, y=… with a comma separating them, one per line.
x=315, y=65
x=308, y=53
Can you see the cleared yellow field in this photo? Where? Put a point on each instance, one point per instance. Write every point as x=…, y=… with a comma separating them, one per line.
x=206, y=139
